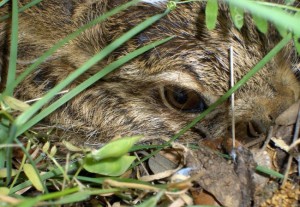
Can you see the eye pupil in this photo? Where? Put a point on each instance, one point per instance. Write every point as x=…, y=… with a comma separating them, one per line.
x=180, y=96
x=185, y=100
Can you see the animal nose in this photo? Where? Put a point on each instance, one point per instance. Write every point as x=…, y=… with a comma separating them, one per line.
x=246, y=131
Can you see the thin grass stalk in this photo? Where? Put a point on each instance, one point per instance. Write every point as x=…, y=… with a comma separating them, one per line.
x=71, y=36
x=8, y=154
x=13, y=50
x=81, y=87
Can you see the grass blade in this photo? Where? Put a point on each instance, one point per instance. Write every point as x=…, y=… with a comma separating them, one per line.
x=13, y=50
x=3, y=2
x=297, y=37
x=260, y=23
x=237, y=15
x=211, y=14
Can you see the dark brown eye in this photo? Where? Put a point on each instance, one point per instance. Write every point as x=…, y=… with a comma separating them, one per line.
x=182, y=99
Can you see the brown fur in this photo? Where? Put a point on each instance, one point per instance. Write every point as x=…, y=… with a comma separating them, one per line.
x=128, y=101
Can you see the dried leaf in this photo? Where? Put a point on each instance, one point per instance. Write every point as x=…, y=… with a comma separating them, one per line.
x=280, y=143
x=160, y=163
x=15, y=103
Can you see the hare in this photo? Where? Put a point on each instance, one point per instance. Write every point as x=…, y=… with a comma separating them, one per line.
x=161, y=91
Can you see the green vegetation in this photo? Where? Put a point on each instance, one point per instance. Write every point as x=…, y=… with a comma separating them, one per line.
x=284, y=17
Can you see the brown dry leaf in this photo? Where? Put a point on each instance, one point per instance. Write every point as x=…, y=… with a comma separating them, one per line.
x=160, y=175
x=164, y=161
x=15, y=103
x=289, y=116
x=280, y=143
x=203, y=198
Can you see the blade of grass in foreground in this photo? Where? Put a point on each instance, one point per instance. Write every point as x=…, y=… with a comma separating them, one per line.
x=13, y=50
x=278, y=17
x=240, y=83
x=71, y=36
x=3, y=2
x=109, y=68
x=25, y=116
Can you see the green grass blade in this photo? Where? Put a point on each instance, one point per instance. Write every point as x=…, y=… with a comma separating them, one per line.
x=237, y=15
x=211, y=14
x=297, y=37
x=276, y=16
x=109, y=68
x=13, y=50
x=25, y=116
x=269, y=172
x=260, y=23
x=71, y=36
x=3, y=2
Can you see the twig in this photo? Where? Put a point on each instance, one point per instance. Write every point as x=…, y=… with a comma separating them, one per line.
x=296, y=132
x=233, y=154
x=270, y=134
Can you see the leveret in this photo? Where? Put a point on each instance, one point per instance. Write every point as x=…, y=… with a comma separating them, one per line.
x=161, y=91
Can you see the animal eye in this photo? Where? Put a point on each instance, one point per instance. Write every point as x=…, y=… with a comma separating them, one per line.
x=184, y=99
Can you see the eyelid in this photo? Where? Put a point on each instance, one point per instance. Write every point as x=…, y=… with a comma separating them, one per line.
x=195, y=103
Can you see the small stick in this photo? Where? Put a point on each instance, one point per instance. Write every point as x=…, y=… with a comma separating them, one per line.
x=270, y=134
x=36, y=99
x=233, y=154
x=286, y=173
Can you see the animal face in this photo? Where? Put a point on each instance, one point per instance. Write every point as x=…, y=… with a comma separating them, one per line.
x=161, y=91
